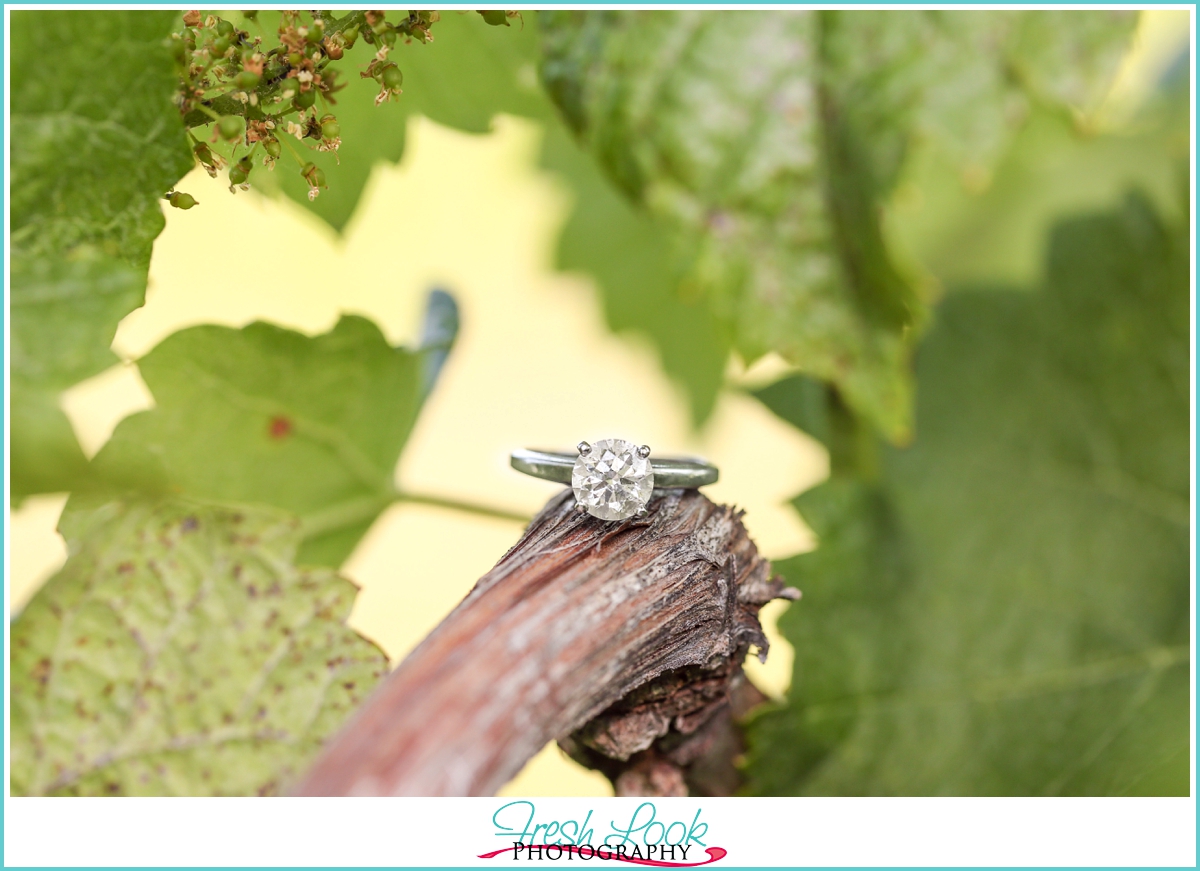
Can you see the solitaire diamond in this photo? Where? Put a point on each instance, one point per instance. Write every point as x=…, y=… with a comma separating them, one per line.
x=612, y=479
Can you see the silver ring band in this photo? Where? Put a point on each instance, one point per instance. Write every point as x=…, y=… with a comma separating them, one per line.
x=669, y=472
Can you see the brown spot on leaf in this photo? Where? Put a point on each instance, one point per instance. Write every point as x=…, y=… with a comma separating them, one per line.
x=280, y=427
x=125, y=568
x=349, y=685
x=189, y=524
x=41, y=671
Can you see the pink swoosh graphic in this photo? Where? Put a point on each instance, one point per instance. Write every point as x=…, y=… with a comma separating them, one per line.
x=714, y=854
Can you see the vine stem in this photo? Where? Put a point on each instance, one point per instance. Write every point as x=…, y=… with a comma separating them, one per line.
x=356, y=511
x=282, y=140
x=464, y=506
x=207, y=111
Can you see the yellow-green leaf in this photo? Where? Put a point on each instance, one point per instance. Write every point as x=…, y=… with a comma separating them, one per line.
x=181, y=652
x=265, y=415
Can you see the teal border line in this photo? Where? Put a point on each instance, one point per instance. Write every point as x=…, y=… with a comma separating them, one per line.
x=1193, y=7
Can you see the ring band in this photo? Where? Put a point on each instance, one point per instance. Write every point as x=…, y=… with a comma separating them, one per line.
x=669, y=472
x=613, y=478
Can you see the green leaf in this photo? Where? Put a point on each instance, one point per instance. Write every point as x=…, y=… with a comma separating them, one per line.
x=64, y=316
x=467, y=75
x=962, y=237
x=92, y=156
x=766, y=142
x=629, y=257
x=803, y=402
x=1004, y=608
x=180, y=652
x=264, y=415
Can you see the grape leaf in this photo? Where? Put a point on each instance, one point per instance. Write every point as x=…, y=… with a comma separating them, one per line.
x=767, y=140
x=1003, y=609
x=962, y=237
x=467, y=75
x=93, y=155
x=91, y=158
x=180, y=652
x=313, y=426
x=629, y=257
x=803, y=402
x=64, y=316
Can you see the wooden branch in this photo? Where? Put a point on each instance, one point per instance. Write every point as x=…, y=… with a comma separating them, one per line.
x=624, y=640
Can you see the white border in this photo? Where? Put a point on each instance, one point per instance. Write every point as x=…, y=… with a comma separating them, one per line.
x=1099, y=832
x=450, y=831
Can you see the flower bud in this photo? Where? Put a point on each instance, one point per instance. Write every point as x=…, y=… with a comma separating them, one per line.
x=180, y=200
x=314, y=175
x=231, y=127
x=391, y=77
x=305, y=99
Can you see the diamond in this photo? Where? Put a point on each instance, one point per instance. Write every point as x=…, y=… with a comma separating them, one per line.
x=611, y=480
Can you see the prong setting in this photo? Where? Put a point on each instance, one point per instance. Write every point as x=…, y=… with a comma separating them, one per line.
x=584, y=449
x=643, y=451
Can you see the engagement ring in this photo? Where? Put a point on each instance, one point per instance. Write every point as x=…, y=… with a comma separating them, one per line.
x=613, y=478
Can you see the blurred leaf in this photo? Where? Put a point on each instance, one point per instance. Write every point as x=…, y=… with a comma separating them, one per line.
x=1004, y=608
x=180, y=652
x=801, y=401
x=998, y=235
x=438, y=333
x=467, y=75
x=65, y=313
x=265, y=415
x=92, y=156
x=625, y=252
x=629, y=257
x=767, y=140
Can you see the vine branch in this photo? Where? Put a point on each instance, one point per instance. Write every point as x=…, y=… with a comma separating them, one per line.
x=623, y=641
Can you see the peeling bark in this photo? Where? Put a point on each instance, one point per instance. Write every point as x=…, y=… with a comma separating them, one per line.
x=624, y=641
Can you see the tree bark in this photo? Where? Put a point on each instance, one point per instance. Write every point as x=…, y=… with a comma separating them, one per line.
x=622, y=640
